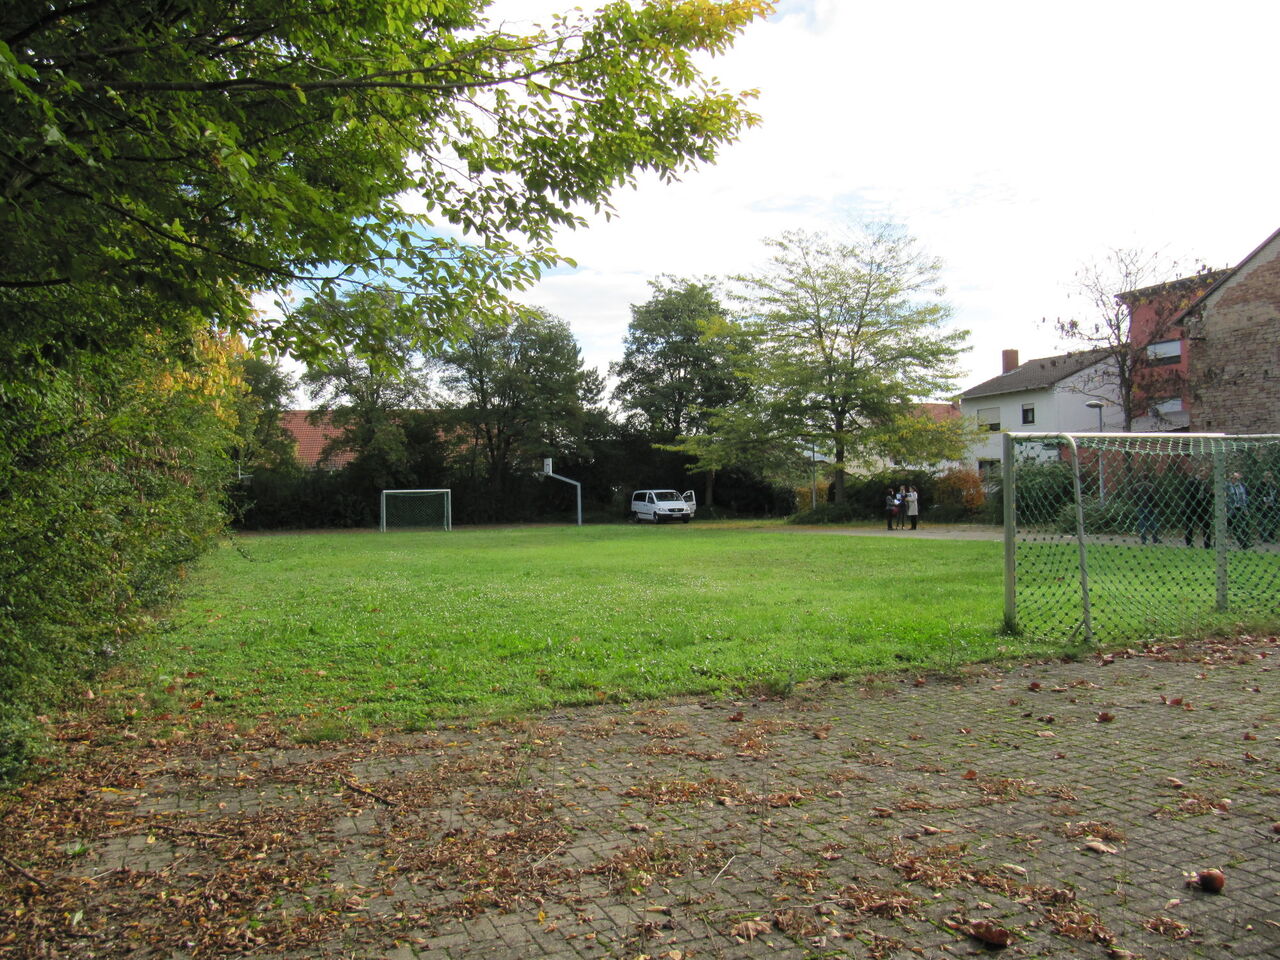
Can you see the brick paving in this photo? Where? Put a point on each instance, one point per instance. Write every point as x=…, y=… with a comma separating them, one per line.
x=1060, y=805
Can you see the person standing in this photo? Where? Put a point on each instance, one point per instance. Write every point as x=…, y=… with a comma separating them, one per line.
x=1268, y=512
x=902, y=507
x=913, y=506
x=1145, y=508
x=1238, y=511
x=890, y=507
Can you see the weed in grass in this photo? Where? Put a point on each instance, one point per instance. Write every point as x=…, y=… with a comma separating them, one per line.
x=324, y=731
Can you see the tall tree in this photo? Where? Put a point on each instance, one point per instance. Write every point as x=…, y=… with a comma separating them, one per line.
x=678, y=359
x=849, y=339
x=519, y=390
x=268, y=392
x=368, y=402
x=197, y=152
x=1132, y=300
x=681, y=360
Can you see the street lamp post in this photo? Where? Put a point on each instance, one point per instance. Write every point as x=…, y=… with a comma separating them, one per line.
x=1102, y=487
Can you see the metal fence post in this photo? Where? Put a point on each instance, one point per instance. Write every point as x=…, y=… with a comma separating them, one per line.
x=1009, y=491
x=1086, y=610
x=1221, y=573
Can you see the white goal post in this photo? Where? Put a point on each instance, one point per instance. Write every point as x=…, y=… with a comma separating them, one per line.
x=416, y=510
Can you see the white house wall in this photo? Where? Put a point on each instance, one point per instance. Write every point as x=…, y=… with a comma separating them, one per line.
x=1059, y=409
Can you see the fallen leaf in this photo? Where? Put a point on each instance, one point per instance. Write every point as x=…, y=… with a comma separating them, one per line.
x=1014, y=869
x=1104, y=717
x=1174, y=782
x=991, y=934
x=822, y=732
x=1045, y=733
x=970, y=775
x=1097, y=846
x=750, y=929
x=736, y=717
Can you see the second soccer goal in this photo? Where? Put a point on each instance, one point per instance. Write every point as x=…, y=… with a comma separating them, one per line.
x=416, y=510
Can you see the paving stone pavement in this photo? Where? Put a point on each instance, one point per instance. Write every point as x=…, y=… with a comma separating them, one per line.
x=1057, y=806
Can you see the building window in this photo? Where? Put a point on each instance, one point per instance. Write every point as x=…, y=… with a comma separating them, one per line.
x=988, y=469
x=1028, y=413
x=1166, y=351
x=989, y=419
x=1170, y=405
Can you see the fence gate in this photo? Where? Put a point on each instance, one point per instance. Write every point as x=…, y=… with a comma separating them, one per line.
x=1115, y=536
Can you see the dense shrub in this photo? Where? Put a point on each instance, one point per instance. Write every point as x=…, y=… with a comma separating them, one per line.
x=1114, y=515
x=960, y=491
x=111, y=476
x=1042, y=490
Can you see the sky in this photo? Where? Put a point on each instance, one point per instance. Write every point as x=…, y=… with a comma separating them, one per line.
x=1015, y=141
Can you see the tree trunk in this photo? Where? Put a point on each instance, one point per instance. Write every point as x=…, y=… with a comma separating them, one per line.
x=837, y=479
x=708, y=494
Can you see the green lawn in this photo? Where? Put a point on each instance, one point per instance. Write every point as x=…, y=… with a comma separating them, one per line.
x=402, y=629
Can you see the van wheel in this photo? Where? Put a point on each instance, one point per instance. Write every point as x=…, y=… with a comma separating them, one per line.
x=687, y=519
x=635, y=517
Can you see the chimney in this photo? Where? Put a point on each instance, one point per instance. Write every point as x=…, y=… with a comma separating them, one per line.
x=1009, y=360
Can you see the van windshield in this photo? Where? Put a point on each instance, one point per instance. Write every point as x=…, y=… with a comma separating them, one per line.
x=664, y=496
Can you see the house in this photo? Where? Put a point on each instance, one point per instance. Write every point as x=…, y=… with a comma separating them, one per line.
x=1158, y=337
x=1045, y=395
x=312, y=432
x=1233, y=366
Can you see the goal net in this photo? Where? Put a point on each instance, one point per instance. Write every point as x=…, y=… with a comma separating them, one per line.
x=1130, y=536
x=416, y=510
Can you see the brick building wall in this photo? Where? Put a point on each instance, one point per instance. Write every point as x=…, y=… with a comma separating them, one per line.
x=1234, y=362
x=1155, y=322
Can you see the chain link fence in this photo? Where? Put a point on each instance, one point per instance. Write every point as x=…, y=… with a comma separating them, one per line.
x=1129, y=536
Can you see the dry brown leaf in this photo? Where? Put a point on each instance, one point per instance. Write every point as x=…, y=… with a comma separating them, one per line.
x=1097, y=846
x=991, y=934
x=750, y=929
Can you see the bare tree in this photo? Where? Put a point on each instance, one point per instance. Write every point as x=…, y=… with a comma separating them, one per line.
x=1133, y=302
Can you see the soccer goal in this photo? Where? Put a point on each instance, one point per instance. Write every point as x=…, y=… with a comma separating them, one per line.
x=1120, y=536
x=416, y=510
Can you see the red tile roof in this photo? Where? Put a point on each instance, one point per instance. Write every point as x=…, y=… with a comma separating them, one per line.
x=941, y=411
x=311, y=439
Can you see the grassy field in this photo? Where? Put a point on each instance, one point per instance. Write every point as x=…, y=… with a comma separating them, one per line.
x=357, y=629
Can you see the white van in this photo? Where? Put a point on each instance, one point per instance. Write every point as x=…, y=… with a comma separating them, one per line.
x=660, y=505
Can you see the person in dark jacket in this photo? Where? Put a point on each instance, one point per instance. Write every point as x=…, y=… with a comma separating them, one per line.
x=1143, y=496
x=1197, y=507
